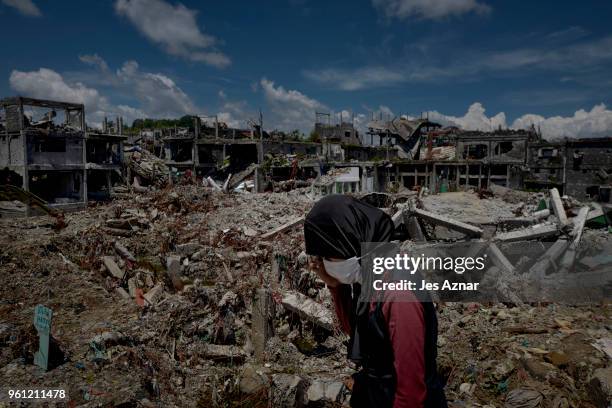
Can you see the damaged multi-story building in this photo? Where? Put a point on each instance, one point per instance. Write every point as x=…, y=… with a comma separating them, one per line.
x=581, y=168
x=46, y=149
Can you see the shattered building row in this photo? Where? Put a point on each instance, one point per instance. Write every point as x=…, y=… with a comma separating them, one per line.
x=47, y=149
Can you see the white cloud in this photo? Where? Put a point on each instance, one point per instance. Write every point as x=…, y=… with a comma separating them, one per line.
x=174, y=28
x=235, y=114
x=474, y=119
x=158, y=94
x=428, y=9
x=594, y=123
x=290, y=109
x=94, y=60
x=48, y=84
x=351, y=80
x=25, y=7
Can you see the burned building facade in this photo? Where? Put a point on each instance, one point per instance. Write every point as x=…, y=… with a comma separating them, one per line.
x=47, y=151
x=577, y=167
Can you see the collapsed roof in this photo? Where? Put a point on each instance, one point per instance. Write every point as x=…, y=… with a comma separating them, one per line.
x=402, y=127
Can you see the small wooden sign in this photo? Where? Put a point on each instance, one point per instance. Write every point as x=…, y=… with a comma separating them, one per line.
x=42, y=322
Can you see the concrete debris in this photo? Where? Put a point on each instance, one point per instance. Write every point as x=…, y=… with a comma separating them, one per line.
x=289, y=391
x=578, y=223
x=523, y=398
x=112, y=267
x=254, y=379
x=557, y=206
x=286, y=226
x=196, y=298
x=262, y=322
x=308, y=309
x=123, y=251
x=153, y=295
x=535, y=232
x=224, y=353
x=449, y=223
x=329, y=392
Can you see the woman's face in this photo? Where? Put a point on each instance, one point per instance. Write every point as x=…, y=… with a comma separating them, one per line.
x=316, y=265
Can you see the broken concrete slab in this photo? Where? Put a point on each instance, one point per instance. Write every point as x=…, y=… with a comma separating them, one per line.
x=579, y=222
x=213, y=184
x=226, y=184
x=326, y=392
x=557, y=205
x=173, y=269
x=398, y=217
x=459, y=226
x=308, y=309
x=595, y=212
x=222, y=352
x=153, y=295
x=414, y=229
x=549, y=259
x=286, y=226
x=112, y=267
x=541, y=214
x=288, y=390
x=253, y=379
x=132, y=286
x=124, y=252
x=535, y=232
x=499, y=259
x=173, y=264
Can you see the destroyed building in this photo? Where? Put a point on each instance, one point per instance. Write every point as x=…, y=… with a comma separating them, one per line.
x=577, y=167
x=403, y=134
x=340, y=133
x=47, y=150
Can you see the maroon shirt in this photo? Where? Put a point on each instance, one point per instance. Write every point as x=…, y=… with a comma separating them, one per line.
x=405, y=322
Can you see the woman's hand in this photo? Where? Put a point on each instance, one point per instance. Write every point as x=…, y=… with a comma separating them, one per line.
x=316, y=265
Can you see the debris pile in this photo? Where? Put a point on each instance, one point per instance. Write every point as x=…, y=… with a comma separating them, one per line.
x=146, y=165
x=189, y=296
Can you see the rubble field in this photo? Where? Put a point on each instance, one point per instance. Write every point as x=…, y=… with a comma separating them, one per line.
x=187, y=296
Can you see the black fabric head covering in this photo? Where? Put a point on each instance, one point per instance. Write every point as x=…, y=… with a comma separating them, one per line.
x=337, y=225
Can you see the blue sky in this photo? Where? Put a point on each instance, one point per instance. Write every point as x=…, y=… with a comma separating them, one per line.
x=473, y=63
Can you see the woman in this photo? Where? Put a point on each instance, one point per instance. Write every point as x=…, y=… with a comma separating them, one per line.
x=392, y=340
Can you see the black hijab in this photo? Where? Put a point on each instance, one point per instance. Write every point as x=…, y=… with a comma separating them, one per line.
x=337, y=224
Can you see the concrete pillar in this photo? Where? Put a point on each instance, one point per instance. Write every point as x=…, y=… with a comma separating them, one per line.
x=375, y=186
x=457, y=178
x=508, y=175
x=262, y=327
